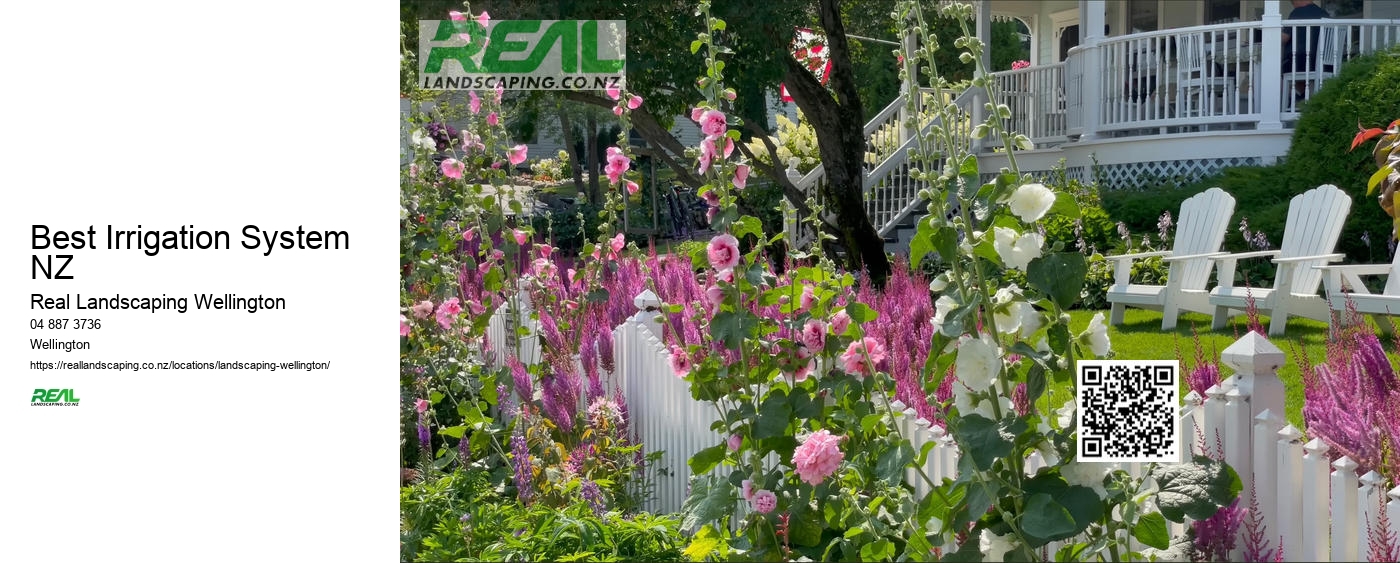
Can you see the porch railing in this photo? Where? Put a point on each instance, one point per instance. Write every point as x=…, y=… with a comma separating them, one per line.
x=1037, y=99
x=1213, y=75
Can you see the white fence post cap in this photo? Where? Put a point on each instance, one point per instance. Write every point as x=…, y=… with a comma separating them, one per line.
x=1266, y=416
x=1372, y=479
x=1253, y=354
x=647, y=300
x=1290, y=433
x=1317, y=446
x=1345, y=464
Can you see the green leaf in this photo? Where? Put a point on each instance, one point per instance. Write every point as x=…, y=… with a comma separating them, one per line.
x=1035, y=383
x=710, y=499
x=1059, y=276
x=732, y=328
x=1377, y=178
x=1195, y=490
x=435, y=396
x=861, y=313
x=984, y=440
x=695, y=46
x=706, y=459
x=1045, y=518
x=803, y=406
x=748, y=225
x=890, y=466
x=805, y=525
x=1151, y=529
x=1081, y=506
x=1180, y=549
x=773, y=416
x=453, y=431
x=878, y=550
x=704, y=543
x=1065, y=206
x=598, y=296
x=922, y=244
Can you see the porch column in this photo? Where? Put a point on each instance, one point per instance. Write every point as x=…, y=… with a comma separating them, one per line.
x=1092, y=15
x=984, y=33
x=1270, y=79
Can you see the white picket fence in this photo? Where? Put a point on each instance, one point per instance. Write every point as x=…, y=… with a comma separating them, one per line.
x=1320, y=509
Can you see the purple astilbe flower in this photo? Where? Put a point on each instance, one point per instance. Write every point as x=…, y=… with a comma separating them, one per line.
x=605, y=349
x=559, y=399
x=524, y=385
x=1216, y=536
x=593, y=495
x=588, y=357
x=1382, y=544
x=1350, y=401
x=524, y=472
x=1256, y=547
x=1020, y=399
x=1204, y=373
x=621, y=399
x=557, y=349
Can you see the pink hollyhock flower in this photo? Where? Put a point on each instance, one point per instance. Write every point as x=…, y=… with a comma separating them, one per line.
x=453, y=168
x=707, y=154
x=448, y=311
x=484, y=18
x=632, y=188
x=710, y=215
x=634, y=102
x=680, y=362
x=695, y=114
x=403, y=326
x=729, y=94
x=475, y=307
x=818, y=457
x=421, y=406
x=764, y=501
x=544, y=268
x=712, y=198
x=517, y=154
x=469, y=234
x=713, y=123
x=457, y=16
x=735, y=441
x=741, y=176
x=422, y=309
x=809, y=297
x=805, y=371
x=617, y=110
x=545, y=250
x=853, y=359
x=465, y=37
x=814, y=334
x=725, y=275
x=714, y=295
x=724, y=252
x=728, y=147
x=413, y=170
x=496, y=165
x=492, y=119
x=500, y=92
x=497, y=254
x=520, y=236
x=746, y=489
x=475, y=103
x=614, y=93
x=839, y=322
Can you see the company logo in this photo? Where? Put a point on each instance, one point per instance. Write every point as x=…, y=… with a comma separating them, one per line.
x=522, y=54
x=53, y=398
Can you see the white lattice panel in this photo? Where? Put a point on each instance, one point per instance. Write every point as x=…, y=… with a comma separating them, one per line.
x=1136, y=175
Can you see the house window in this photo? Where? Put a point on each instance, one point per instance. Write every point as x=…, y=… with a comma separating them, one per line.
x=1069, y=39
x=1222, y=11
x=1343, y=8
x=1142, y=15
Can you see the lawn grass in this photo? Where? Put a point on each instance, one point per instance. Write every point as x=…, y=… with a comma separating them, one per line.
x=1141, y=337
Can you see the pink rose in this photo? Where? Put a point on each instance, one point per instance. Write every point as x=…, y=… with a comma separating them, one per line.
x=422, y=309
x=517, y=154
x=634, y=102
x=735, y=441
x=764, y=501
x=853, y=359
x=839, y=322
x=818, y=457
x=713, y=123
x=741, y=176
x=403, y=326
x=421, y=406
x=680, y=362
x=447, y=312
x=724, y=252
x=453, y=168
x=814, y=334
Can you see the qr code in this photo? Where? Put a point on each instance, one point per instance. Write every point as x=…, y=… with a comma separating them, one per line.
x=1127, y=411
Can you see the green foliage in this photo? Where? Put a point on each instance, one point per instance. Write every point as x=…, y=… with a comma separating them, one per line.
x=458, y=518
x=571, y=228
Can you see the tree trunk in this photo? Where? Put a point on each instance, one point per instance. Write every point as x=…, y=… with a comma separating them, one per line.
x=575, y=162
x=839, y=123
x=595, y=193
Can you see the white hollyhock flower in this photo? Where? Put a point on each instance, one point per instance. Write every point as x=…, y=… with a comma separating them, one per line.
x=1030, y=320
x=939, y=283
x=1031, y=201
x=941, y=308
x=985, y=409
x=978, y=363
x=963, y=400
x=994, y=547
x=1064, y=416
x=1016, y=251
x=1086, y=475
x=423, y=141
x=1096, y=336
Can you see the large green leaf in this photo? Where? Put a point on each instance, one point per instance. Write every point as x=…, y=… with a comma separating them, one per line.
x=1151, y=529
x=891, y=463
x=706, y=459
x=710, y=499
x=1045, y=518
x=732, y=328
x=1060, y=276
x=985, y=440
x=748, y=225
x=1195, y=490
x=861, y=313
x=1081, y=506
x=1065, y=206
x=773, y=416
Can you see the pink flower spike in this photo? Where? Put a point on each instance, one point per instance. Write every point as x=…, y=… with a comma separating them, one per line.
x=484, y=18
x=517, y=154
x=520, y=236
x=403, y=326
x=617, y=110
x=724, y=252
x=614, y=93
x=492, y=119
x=453, y=168
x=695, y=114
x=741, y=176
x=632, y=187
x=475, y=103
x=457, y=16
x=634, y=102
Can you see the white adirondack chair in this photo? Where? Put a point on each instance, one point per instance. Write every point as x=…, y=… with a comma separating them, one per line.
x=1200, y=229
x=1315, y=220
x=1343, y=283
